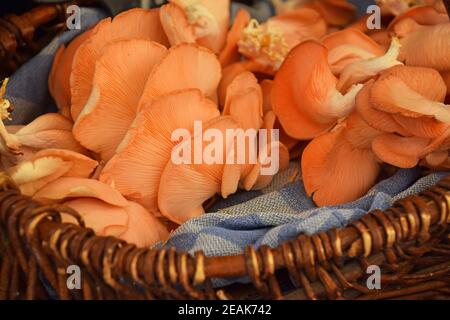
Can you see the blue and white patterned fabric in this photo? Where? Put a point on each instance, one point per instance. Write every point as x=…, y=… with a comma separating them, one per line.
x=276, y=214
x=283, y=210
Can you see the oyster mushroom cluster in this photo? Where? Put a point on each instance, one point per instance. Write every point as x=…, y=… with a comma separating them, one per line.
x=362, y=105
x=354, y=97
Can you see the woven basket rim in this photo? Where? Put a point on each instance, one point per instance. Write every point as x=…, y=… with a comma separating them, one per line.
x=325, y=264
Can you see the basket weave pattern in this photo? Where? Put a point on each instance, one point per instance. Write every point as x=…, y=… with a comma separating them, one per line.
x=410, y=242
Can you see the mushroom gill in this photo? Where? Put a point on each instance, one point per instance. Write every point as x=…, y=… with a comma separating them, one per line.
x=133, y=24
x=147, y=147
x=120, y=76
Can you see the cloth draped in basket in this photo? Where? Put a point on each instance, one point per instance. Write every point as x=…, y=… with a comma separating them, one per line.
x=271, y=216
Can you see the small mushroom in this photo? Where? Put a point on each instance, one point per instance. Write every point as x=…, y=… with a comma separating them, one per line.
x=304, y=94
x=133, y=24
x=336, y=169
x=396, y=95
x=119, y=80
x=231, y=71
x=402, y=152
x=197, y=21
x=428, y=46
x=176, y=25
x=49, y=165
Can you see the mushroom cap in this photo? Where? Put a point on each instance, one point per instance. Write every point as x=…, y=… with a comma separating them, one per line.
x=143, y=228
x=427, y=47
x=426, y=81
x=220, y=9
x=405, y=92
x=48, y=121
x=299, y=25
x=137, y=167
x=422, y=15
x=393, y=95
x=195, y=67
x=103, y=218
x=361, y=71
x=230, y=53
x=353, y=37
x=135, y=23
x=185, y=187
x=120, y=76
x=335, y=172
x=300, y=89
x=244, y=101
x=82, y=166
x=349, y=45
x=402, y=152
x=48, y=165
x=33, y=174
x=377, y=119
x=176, y=25
x=210, y=21
x=65, y=188
x=358, y=133
x=51, y=130
x=53, y=139
x=421, y=127
x=131, y=223
x=59, y=78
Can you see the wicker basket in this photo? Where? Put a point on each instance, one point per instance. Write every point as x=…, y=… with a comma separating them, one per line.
x=410, y=242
